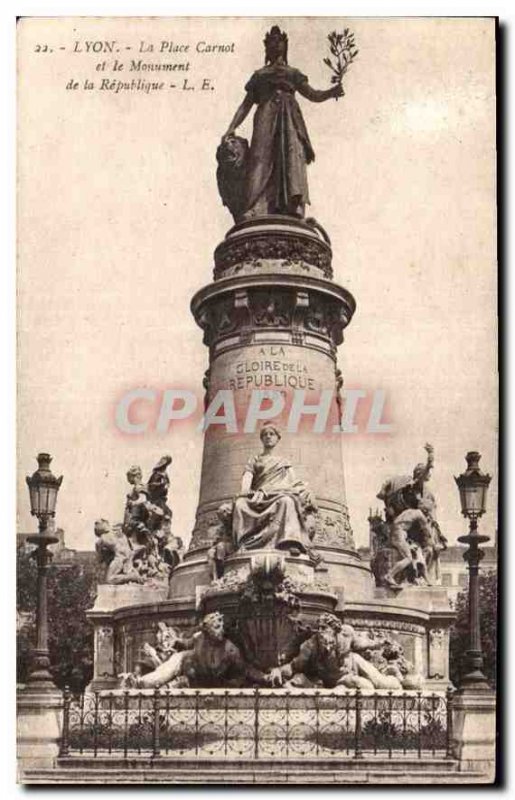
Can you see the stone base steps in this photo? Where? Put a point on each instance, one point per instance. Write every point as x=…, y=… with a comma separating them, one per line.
x=162, y=771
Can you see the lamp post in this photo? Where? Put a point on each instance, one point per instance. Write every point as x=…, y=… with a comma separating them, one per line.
x=43, y=489
x=473, y=487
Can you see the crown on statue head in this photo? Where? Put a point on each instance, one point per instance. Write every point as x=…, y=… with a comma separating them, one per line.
x=276, y=35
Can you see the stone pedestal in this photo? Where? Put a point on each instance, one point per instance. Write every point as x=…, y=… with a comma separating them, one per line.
x=111, y=598
x=39, y=726
x=300, y=568
x=273, y=319
x=269, y=600
x=474, y=731
x=120, y=618
x=419, y=619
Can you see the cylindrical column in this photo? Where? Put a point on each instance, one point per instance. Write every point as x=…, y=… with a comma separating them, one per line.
x=40, y=676
x=474, y=625
x=473, y=677
x=273, y=319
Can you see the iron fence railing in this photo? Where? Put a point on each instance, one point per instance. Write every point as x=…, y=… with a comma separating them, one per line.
x=256, y=724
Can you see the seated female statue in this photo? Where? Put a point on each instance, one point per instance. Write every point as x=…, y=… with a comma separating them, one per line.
x=273, y=507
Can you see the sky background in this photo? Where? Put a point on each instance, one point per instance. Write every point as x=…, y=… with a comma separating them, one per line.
x=119, y=215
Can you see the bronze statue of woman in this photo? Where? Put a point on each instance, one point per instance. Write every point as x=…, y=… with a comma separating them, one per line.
x=275, y=174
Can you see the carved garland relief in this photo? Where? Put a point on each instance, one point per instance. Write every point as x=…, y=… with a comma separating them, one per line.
x=289, y=249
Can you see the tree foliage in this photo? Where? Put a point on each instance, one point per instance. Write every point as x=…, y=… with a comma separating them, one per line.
x=459, y=639
x=71, y=592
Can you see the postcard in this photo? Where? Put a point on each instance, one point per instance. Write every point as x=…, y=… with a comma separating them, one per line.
x=257, y=400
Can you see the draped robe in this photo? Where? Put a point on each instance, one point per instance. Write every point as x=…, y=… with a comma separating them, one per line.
x=277, y=520
x=280, y=146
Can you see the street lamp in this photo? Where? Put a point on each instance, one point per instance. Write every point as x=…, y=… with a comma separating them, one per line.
x=43, y=489
x=473, y=487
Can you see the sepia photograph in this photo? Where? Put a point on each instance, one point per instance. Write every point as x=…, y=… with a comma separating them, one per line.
x=257, y=400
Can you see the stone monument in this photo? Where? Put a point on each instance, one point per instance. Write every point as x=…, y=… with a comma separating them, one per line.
x=272, y=550
x=273, y=318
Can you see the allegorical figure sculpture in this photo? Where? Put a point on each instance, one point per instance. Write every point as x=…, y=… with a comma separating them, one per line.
x=118, y=554
x=438, y=542
x=140, y=517
x=146, y=509
x=147, y=520
x=270, y=176
x=223, y=542
x=331, y=657
x=273, y=506
x=390, y=660
x=166, y=639
x=409, y=530
x=158, y=486
x=144, y=548
x=206, y=659
x=165, y=659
